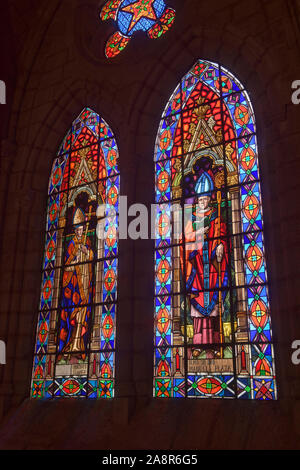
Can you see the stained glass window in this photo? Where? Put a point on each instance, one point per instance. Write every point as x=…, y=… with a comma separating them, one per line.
x=150, y=16
x=75, y=343
x=213, y=334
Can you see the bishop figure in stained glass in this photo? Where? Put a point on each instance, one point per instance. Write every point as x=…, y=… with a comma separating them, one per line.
x=204, y=262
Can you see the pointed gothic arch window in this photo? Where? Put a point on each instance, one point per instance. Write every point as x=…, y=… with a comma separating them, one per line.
x=75, y=342
x=213, y=334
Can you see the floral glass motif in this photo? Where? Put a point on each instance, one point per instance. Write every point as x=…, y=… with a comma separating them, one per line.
x=75, y=343
x=150, y=16
x=213, y=334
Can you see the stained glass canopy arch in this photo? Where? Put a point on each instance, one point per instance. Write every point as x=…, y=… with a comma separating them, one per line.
x=74, y=353
x=150, y=16
x=213, y=335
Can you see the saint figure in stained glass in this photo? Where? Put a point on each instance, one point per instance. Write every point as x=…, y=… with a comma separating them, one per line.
x=77, y=292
